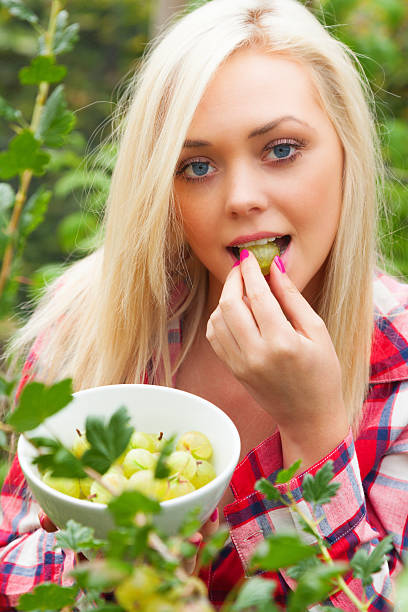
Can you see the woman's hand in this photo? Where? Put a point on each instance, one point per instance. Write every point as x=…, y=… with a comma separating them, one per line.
x=46, y=523
x=280, y=349
x=207, y=530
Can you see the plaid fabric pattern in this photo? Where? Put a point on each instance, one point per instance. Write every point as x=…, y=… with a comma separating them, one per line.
x=372, y=501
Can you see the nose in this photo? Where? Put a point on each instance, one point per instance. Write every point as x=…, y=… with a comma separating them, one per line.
x=244, y=191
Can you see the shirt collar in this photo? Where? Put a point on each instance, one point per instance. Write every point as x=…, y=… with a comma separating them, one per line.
x=389, y=354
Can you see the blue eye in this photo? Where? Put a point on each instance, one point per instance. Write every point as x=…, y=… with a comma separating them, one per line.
x=199, y=168
x=282, y=150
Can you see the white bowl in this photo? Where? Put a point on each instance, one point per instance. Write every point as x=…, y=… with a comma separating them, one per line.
x=152, y=409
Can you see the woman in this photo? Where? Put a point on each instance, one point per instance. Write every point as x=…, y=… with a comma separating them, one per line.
x=248, y=123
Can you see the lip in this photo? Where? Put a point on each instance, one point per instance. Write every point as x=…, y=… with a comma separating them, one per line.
x=251, y=237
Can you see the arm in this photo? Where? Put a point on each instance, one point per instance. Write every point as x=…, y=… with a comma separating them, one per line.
x=277, y=346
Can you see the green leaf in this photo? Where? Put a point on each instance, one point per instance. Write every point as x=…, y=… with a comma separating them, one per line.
x=8, y=112
x=296, y=571
x=280, y=550
x=78, y=538
x=38, y=402
x=317, y=489
x=61, y=462
x=286, y=475
x=34, y=212
x=42, y=69
x=107, y=442
x=213, y=545
x=266, y=488
x=127, y=543
x=56, y=121
x=124, y=507
x=18, y=9
x=365, y=565
x=255, y=592
x=162, y=471
x=48, y=596
x=65, y=36
x=315, y=585
x=23, y=154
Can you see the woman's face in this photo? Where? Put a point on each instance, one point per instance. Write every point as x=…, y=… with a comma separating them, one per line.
x=261, y=159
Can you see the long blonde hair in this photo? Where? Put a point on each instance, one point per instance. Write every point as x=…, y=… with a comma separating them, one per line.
x=106, y=318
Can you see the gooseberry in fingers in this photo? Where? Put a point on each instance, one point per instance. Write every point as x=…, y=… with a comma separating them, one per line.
x=265, y=254
x=196, y=443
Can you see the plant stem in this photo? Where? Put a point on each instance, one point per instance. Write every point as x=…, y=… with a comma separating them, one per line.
x=26, y=176
x=360, y=605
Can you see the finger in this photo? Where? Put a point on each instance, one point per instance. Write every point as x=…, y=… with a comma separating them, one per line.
x=213, y=339
x=236, y=311
x=264, y=305
x=190, y=563
x=212, y=525
x=46, y=523
x=296, y=308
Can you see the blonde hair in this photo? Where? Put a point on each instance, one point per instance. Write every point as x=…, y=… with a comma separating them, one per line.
x=107, y=317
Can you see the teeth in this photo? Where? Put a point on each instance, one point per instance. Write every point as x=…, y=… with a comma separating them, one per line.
x=254, y=242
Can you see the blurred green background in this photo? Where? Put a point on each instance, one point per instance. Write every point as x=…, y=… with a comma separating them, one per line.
x=112, y=37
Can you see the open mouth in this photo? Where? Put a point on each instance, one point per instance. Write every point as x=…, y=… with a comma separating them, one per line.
x=264, y=250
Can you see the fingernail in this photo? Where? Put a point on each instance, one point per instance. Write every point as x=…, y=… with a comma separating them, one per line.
x=236, y=264
x=42, y=518
x=196, y=540
x=214, y=516
x=244, y=254
x=279, y=263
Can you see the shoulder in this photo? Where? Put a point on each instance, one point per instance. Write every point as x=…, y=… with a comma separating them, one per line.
x=389, y=356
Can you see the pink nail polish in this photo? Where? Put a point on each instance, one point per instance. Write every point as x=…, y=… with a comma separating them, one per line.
x=214, y=516
x=236, y=264
x=279, y=263
x=244, y=254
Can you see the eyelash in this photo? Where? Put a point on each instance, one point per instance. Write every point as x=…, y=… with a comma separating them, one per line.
x=298, y=144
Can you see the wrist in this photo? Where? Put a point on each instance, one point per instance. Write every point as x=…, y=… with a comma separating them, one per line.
x=311, y=443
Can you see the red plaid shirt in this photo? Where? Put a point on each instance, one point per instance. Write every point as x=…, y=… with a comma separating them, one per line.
x=371, y=502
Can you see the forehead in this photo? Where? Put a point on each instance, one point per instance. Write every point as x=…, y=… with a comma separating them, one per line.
x=253, y=83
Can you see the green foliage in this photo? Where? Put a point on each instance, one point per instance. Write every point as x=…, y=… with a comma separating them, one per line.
x=255, y=592
x=124, y=507
x=78, y=538
x=48, y=597
x=24, y=153
x=315, y=585
x=281, y=550
x=107, y=441
x=56, y=122
x=42, y=68
x=38, y=402
x=318, y=489
x=365, y=565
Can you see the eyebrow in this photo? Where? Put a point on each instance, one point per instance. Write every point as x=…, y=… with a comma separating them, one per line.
x=190, y=144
